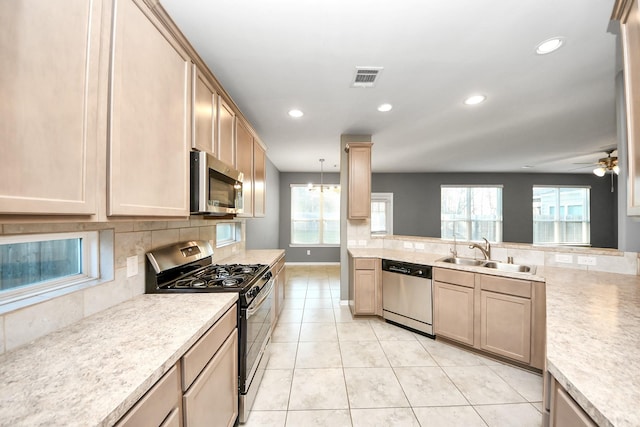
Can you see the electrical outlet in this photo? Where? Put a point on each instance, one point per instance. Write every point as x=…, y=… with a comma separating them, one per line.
x=408, y=245
x=564, y=258
x=132, y=266
x=308, y=251
x=586, y=260
x=420, y=246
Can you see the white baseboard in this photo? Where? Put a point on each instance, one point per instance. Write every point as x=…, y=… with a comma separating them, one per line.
x=310, y=263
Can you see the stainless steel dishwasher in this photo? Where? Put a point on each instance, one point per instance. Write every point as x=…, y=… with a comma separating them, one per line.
x=407, y=295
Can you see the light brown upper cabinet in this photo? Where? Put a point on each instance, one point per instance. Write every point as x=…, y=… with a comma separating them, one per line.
x=259, y=179
x=628, y=13
x=226, y=133
x=49, y=62
x=150, y=120
x=359, y=173
x=244, y=157
x=204, y=113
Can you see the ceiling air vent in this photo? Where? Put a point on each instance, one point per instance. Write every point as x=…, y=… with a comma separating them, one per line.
x=366, y=76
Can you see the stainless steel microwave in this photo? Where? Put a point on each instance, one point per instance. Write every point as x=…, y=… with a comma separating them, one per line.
x=216, y=188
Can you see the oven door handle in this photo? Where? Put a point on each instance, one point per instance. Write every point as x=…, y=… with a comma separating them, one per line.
x=255, y=305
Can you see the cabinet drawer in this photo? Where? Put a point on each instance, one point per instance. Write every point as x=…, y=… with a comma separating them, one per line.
x=365, y=263
x=504, y=285
x=462, y=278
x=158, y=404
x=202, y=351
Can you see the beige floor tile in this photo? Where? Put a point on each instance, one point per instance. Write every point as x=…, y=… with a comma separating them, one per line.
x=293, y=303
x=286, y=332
x=363, y=354
x=481, y=386
x=282, y=355
x=409, y=353
x=296, y=292
x=528, y=384
x=318, y=389
x=318, y=332
x=396, y=417
x=449, y=416
x=387, y=332
x=429, y=386
x=322, y=418
x=266, y=419
x=538, y=406
x=290, y=316
x=355, y=331
x=449, y=355
x=318, y=303
x=318, y=293
x=273, y=393
x=343, y=315
x=318, y=355
x=318, y=315
x=515, y=415
x=374, y=388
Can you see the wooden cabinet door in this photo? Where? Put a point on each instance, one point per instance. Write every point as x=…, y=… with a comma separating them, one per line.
x=505, y=325
x=204, y=113
x=160, y=406
x=226, y=133
x=565, y=412
x=359, y=199
x=453, y=314
x=259, y=180
x=212, y=400
x=49, y=63
x=365, y=292
x=150, y=125
x=244, y=158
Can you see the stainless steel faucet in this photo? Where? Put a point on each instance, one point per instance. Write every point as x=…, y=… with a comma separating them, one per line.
x=486, y=251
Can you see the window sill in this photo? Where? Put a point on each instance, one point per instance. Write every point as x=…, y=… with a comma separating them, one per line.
x=298, y=245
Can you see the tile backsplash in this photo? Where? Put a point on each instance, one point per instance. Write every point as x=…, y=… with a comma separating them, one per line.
x=124, y=240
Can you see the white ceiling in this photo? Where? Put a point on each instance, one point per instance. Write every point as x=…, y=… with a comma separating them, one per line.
x=549, y=112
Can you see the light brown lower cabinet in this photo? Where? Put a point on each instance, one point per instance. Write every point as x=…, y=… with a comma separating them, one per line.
x=365, y=292
x=453, y=312
x=506, y=325
x=560, y=408
x=498, y=315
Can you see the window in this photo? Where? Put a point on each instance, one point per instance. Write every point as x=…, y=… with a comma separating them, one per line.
x=561, y=215
x=315, y=215
x=34, y=264
x=228, y=233
x=471, y=213
x=382, y=213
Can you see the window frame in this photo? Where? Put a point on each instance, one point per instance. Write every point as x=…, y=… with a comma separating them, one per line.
x=320, y=220
x=387, y=199
x=237, y=234
x=468, y=220
x=558, y=213
x=90, y=250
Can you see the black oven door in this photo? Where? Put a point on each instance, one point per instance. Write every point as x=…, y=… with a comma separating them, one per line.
x=256, y=322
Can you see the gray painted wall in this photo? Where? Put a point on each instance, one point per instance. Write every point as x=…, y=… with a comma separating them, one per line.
x=263, y=233
x=416, y=200
x=298, y=253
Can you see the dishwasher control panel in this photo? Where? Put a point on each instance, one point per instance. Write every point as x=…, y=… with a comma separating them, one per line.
x=407, y=268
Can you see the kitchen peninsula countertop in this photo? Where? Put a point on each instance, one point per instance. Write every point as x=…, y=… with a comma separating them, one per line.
x=255, y=256
x=92, y=372
x=593, y=333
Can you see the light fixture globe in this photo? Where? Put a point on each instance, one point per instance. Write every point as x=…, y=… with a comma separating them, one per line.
x=599, y=171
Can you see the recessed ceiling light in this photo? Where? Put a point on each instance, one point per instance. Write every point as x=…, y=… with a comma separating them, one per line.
x=385, y=107
x=549, y=45
x=296, y=113
x=475, y=99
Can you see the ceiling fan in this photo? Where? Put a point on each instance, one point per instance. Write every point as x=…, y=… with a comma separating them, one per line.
x=607, y=164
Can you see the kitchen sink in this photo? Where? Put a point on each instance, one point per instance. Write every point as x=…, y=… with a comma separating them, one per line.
x=463, y=261
x=495, y=265
x=512, y=268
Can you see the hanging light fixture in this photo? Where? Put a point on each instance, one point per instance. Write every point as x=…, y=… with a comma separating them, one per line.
x=607, y=164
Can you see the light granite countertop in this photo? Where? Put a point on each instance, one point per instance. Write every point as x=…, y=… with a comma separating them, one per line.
x=255, y=256
x=593, y=333
x=92, y=372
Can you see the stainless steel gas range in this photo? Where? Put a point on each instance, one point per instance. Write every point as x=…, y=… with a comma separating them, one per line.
x=187, y=267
